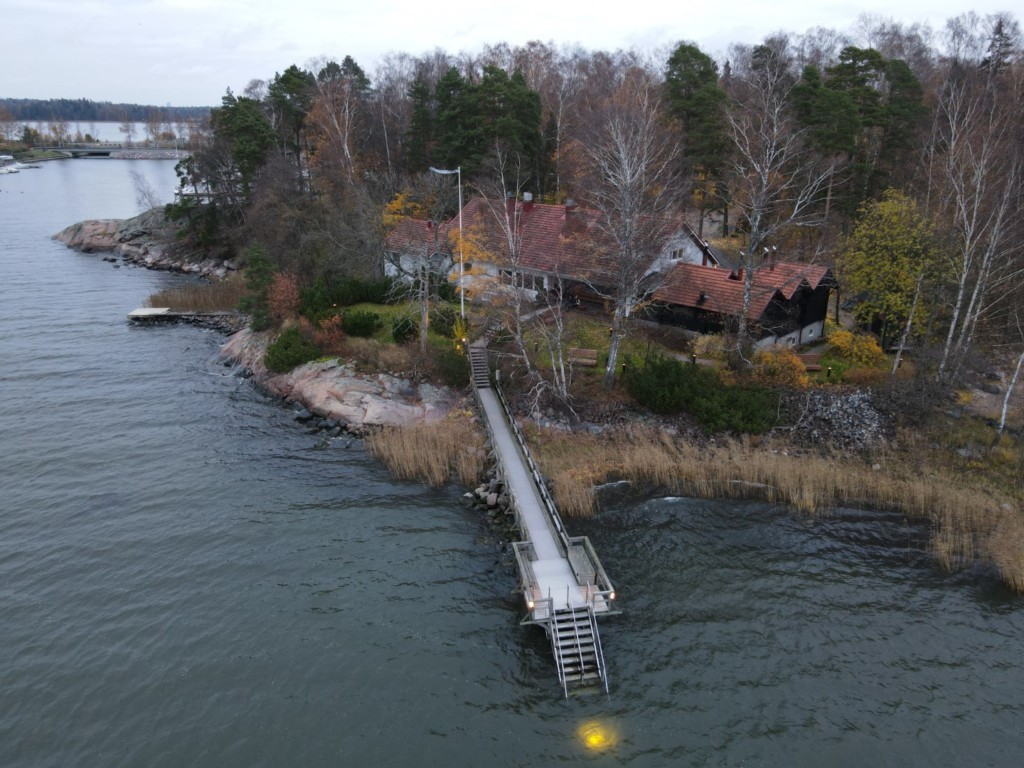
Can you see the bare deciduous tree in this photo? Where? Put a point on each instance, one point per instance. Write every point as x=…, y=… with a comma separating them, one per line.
x=776, y=180
x=633, y=185
x=980, y=174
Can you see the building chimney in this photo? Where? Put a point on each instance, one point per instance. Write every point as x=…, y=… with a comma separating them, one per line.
x=570, y=205
x=527, y=202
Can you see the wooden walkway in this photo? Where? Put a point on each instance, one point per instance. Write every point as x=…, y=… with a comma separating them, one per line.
x=563, y=582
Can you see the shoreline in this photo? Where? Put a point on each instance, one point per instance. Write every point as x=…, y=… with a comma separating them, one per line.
x=146, y=240
x=337, y=396
x=980, y=525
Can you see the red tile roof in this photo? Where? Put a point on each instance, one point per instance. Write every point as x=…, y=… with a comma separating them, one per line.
x=723, y=289
x=415, y=236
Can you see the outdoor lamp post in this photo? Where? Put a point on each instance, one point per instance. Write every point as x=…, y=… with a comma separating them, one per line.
x=462, y=287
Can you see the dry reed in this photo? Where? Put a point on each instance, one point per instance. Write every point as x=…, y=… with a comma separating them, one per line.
x=431, y=452
x=967, y=524
x=201, y=297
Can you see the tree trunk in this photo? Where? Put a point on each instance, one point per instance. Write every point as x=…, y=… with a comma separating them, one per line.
x=1006, y=398
x=613, y=348
x=424, y=310
x=910, y=323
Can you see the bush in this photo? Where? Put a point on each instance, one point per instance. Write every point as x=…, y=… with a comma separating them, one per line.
x=361, y=323
x=451, y=366
x=442, y=321
x=328, y=336
x=289, y=349
x=779, y=367
x=283, y=297
x=668, y=386
x=710, y=346
x=403, y=329
x=446, y=291
x=323, y=296
x=864, y=377
x=859, y=349
x=259, y=273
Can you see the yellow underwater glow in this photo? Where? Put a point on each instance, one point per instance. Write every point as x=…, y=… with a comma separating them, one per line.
x=597, y=736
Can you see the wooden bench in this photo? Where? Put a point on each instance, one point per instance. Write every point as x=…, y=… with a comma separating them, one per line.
x=811, y=362
x=585, y=357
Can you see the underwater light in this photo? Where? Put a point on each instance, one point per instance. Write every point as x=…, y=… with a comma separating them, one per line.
x=596, y=736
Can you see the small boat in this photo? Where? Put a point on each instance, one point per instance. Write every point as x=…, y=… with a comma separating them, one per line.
x=8, y=169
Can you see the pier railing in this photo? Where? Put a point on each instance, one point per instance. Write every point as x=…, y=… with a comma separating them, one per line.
x=583, y=560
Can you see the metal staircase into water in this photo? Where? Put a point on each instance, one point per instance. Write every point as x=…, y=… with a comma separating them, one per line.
x=577, y=647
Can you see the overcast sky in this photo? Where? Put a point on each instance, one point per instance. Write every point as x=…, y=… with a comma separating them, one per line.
x=187, y=52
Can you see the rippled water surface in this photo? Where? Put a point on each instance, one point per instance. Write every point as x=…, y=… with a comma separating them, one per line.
x=186, y=578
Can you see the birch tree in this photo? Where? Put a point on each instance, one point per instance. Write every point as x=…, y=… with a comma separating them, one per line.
x=980, y=170
x=776, y=180
x=633, y=185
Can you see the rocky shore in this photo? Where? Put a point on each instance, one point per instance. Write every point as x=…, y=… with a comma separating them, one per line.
x=335, y=397
x=147, y=240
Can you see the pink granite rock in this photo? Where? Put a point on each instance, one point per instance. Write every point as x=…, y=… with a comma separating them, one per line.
x=336, y=391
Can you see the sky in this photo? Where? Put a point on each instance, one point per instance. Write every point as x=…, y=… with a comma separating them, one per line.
x=188, y=52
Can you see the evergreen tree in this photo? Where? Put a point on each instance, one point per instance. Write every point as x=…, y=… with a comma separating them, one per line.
x=241, y=125
x=456, y=129
x=419, y=143
x=290, y=96
x=697, y=101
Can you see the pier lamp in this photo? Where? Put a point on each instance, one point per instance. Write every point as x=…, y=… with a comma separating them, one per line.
x=462, y=286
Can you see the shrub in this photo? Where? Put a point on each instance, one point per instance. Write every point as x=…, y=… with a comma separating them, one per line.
x=442, y=321
x=282, y=297
x=710, y=346
x=259, y=273
x=289, y=350
x=864, y=377
x=403, y=329
x=322, y=296
x=860, y=349
x=668, y=386
x=446, y=291
x=450, y=365
x=779, y=367
x=329, y=337
x=361, y=323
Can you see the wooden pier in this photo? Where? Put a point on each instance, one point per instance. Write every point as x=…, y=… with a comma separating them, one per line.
x=565, y=587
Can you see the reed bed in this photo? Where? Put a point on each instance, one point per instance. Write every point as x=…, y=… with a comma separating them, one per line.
x=968, y=524
x=432, y=453
x=221, y=296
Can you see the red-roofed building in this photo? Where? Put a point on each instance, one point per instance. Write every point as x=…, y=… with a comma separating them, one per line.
x=788, y=302
x=557, y=242
x=412, y=243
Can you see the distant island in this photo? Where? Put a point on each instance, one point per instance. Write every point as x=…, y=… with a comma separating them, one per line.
x=85, y=110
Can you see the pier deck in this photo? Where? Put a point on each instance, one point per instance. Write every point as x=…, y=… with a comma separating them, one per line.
x=563, y=583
